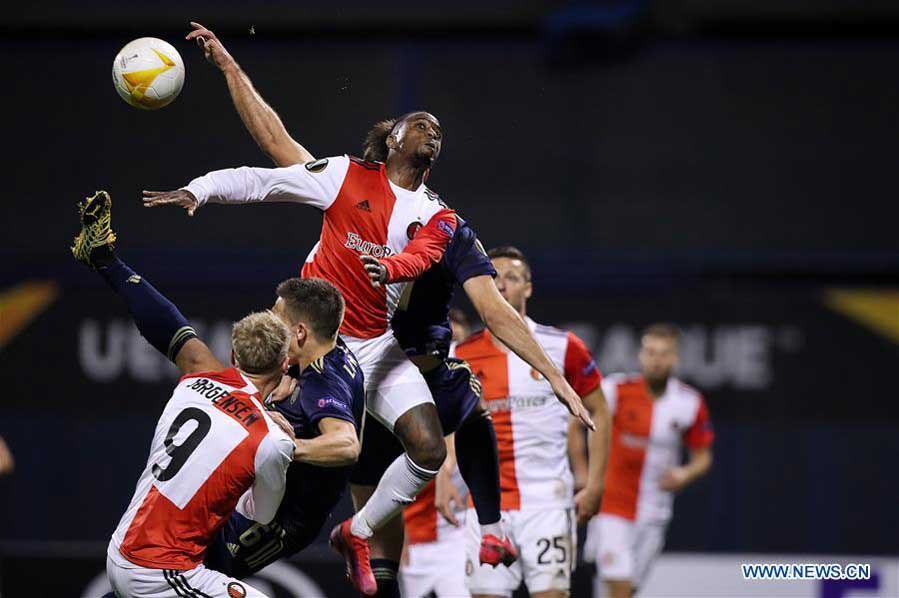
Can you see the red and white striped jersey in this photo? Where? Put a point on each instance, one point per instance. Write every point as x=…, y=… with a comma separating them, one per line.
x=531, y=424
x=647, y=436
x=423, y=523
x=364, y=214
x=214, y=447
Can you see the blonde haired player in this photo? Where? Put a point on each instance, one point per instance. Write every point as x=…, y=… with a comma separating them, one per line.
x=540, y=509
x=215, y=450
x=322, y=417
x=653, y=415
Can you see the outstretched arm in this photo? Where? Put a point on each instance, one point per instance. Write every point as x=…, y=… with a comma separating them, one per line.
x=504, y=322
x=316, y=184
x=261, y=120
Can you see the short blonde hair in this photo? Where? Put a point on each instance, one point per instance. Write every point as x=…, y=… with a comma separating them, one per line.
x=260, y=342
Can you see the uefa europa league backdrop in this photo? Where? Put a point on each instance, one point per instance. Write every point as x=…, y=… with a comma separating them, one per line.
x=795, y=379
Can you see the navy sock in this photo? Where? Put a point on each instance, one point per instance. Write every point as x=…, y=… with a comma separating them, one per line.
x=478, y=460
x=385, y=574
x=157, y=318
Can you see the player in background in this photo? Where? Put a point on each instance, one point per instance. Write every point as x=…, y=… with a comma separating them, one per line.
x=540, y=509
x=433, y=561
x=322, y=413
x=653, y=416
x=390, y=194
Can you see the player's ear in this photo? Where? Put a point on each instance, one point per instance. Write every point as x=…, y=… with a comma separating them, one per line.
x=285, y=365
x=528, y=290
x=302, y=333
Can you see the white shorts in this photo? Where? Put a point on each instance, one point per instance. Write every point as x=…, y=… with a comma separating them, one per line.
x=546, y=540
x=623, y=549
x=437, y=567
x=393, y=384
x=130, y=581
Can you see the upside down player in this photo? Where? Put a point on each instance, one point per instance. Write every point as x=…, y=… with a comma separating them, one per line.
x=371, y=210
x=215, y=449
x=322, y=415
x=653, y=415
x=532, y=432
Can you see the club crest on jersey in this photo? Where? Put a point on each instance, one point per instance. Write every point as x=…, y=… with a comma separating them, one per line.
x=536, y=375
x=413, y=229
x=236, y=590
x=356, y=243
x=317, y=166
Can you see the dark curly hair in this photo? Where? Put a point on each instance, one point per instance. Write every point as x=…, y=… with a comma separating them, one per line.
x=374, y=148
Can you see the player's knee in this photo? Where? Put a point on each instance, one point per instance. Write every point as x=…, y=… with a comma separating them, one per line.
x=428, y=453
x=422, y=436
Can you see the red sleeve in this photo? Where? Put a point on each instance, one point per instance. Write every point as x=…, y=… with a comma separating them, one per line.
x=700, y=434
x=424, y=250
x=580, y=368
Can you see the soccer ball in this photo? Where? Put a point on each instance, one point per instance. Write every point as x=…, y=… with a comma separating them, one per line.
x=148, y=73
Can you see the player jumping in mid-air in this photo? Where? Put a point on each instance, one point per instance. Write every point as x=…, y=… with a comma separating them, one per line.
x=383, y=214
x=322, y=413
x=653, y=415
x=532, y=430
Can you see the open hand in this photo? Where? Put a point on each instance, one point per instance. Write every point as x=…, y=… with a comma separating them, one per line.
x=212, y=48
x=586, y=504
x=282, y=423
x=447, y=498
x=285, y=388
x=572, y=402
x=181, y=197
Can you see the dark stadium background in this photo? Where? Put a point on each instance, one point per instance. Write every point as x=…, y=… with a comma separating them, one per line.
x=729, y=166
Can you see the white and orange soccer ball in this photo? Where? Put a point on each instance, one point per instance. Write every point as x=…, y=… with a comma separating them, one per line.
x=148, y=73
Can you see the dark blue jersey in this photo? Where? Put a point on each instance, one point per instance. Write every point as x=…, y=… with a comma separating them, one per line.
x=332, y=386
x=423, y=328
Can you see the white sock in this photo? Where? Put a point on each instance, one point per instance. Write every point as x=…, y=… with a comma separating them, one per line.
x=496, y=529
x=359, y=527
x=398, y=487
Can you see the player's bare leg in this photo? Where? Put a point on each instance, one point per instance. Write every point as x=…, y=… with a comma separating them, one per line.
x=619, y=588
x=551, y=594
x=422, y=436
